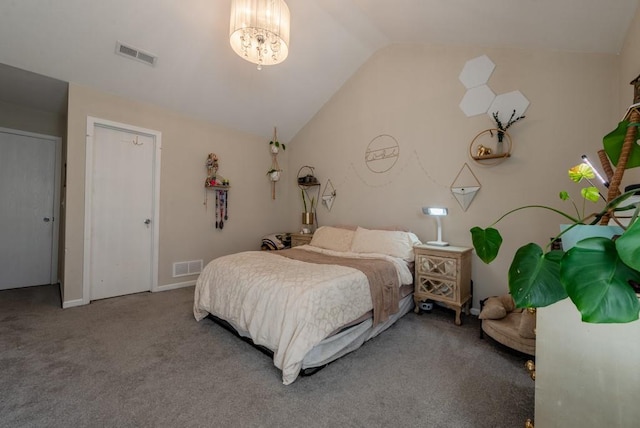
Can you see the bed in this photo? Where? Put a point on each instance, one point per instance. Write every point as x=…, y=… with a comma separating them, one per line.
x=312, y=304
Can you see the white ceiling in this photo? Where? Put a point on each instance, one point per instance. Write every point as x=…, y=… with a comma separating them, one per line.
x=199, y=75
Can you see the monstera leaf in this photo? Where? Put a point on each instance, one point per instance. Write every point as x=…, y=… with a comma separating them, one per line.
x=613, y=141
x=534, y=277
x=597, y=281
x=486, y=243
x=628, y=246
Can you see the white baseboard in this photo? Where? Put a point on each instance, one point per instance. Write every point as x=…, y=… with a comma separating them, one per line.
x=175, y=286
x=475, y=311
x=80, y=302
x=72, y=303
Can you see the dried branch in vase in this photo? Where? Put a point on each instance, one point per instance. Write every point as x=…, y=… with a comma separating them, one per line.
x=502, y=127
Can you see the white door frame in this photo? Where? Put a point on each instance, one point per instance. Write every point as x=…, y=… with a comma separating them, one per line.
x=56, y=195
x=92, y=122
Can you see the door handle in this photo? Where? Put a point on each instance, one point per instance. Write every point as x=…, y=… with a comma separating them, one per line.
x=147, y=221
x=46, y=219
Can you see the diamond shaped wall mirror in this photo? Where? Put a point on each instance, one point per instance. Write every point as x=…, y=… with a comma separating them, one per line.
x=465, y=186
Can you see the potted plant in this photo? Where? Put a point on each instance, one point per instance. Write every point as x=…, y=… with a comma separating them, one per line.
x=274, y=145
x=307, y=215
x=274, y=174
x=600, y=275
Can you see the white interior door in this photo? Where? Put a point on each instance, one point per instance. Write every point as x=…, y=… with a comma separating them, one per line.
x=122, y=211
x=28, y=188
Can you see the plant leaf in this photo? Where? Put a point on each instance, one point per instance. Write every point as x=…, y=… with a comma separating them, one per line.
x=581, y=171
x=590, y=193
x=486, y=243
x=613, y=142
x=596, y=280
x=628, y=246
x=534, y=277
x=564, y=195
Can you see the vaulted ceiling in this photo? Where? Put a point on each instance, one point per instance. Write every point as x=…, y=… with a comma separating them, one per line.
x=199, y=75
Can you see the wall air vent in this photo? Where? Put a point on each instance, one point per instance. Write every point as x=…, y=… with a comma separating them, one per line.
x=192, y=267
x=135, y=53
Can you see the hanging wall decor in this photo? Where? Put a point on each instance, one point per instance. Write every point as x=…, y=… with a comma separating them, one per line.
x=465, y=186
x=275, y=171
x=328, y=195
x=382, y=153
x=220, y=186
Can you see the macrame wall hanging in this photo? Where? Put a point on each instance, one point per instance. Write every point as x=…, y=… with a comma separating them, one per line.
x=275, y=171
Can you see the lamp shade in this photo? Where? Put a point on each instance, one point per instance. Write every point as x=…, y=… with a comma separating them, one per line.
x=259, y=30
x=437, y=212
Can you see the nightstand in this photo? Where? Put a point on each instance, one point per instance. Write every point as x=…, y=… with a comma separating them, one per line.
x=300, y=239
x=443, y=274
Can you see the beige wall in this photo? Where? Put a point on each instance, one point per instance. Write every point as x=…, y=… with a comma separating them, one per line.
x=412, y=93
x=629, y=62
x=37, y=121
x=629, y=70
x=186, y=226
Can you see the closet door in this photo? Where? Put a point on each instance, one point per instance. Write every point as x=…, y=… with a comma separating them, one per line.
x=121, y=210
x=28, y=180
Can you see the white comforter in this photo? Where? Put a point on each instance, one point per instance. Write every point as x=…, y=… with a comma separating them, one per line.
x=287, y=305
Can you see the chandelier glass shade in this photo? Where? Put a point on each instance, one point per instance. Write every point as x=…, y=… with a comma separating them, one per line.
x=259, y=30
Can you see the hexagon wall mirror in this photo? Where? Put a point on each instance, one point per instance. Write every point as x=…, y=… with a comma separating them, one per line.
x=465, y=187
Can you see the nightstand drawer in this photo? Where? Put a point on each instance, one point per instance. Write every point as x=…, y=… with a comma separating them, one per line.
x=437, y=266
x=300, y=239
x=439, y=289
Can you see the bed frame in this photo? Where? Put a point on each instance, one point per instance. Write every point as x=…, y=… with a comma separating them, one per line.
x=361, y=332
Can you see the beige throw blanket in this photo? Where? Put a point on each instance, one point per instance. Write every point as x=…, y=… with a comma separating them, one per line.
x=381, y=274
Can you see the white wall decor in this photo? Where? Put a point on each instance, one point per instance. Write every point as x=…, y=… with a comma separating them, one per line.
x=476, y=72
x=505, y=104
x=328, y=195
x=465, y=186
x=479, y=98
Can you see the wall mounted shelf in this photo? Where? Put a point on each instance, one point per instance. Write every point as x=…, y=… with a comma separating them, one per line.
x=486, y=149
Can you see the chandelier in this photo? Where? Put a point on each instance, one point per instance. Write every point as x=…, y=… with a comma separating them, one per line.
x=259, y=30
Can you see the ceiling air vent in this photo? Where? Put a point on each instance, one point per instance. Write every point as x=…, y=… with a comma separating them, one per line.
x=135, y=53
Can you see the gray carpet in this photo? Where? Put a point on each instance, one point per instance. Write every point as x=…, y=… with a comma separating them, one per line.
x=143, y=361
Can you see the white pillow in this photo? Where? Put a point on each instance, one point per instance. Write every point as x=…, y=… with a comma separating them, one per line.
x=332, y=238
x=393, y=243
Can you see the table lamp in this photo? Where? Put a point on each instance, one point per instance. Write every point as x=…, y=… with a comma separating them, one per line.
x=437, y=212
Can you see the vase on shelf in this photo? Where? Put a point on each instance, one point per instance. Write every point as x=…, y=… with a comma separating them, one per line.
x=307, y=218
x=499, y=144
